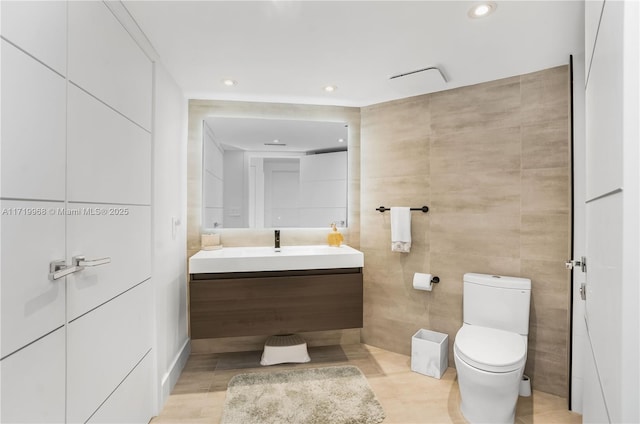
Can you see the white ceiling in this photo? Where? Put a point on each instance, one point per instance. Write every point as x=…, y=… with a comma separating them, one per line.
x=287, y=51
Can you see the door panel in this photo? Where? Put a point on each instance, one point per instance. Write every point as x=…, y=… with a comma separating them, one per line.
x=132, y=401
x=603, y=309
x=103, y=347
x=594, y=408
x=109, y=157
x=323, y=189
x=32, y=305
x=33, y=128
x=592, y=9
x=213, y=155
x=611, y=218
x=32, y=388
x=604, y=106
x=39, y=28
x=212, y=190
x=125, y=238
x=281, y=192
x=105, y=61
x=213, y=183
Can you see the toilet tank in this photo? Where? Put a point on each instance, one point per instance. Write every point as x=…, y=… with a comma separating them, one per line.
x=497, y=301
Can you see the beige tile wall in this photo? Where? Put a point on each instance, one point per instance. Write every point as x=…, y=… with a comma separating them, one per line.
x=492, y=163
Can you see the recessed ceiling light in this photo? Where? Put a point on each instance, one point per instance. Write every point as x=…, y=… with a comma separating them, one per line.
x=330, y=88
x=480, y=10
x=341, y=140
x=276, y=141
x=229, y=82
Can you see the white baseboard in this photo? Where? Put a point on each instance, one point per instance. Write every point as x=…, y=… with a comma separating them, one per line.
x=170, y=378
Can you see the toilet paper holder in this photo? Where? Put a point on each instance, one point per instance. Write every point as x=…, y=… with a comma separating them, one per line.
x=424, y=281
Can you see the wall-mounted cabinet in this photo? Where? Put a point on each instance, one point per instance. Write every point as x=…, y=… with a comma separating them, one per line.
x=275, y=302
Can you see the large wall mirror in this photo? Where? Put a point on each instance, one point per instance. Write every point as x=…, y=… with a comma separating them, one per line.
x=273, y=173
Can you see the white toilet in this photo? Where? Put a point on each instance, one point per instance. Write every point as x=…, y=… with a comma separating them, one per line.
x=490, y=349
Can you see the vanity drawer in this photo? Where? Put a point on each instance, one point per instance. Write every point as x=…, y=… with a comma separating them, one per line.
x=275, y=302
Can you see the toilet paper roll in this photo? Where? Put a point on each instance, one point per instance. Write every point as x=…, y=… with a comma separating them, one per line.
x=422, y=281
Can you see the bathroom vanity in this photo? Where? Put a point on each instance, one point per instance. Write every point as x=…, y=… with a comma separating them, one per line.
x=250, y=291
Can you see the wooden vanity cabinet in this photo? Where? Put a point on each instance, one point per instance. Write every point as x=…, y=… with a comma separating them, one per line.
x=274, y=302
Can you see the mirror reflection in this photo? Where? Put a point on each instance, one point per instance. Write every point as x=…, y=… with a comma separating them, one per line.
x=261, y=173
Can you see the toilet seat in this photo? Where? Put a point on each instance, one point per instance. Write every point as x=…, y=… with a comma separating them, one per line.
x=489, y=349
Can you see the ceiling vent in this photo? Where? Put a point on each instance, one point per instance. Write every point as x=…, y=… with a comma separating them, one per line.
x=430, y=68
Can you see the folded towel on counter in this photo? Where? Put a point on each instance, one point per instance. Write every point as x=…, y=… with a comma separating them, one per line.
x=400, y=229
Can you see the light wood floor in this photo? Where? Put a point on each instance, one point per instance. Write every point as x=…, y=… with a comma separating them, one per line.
x=406, y=397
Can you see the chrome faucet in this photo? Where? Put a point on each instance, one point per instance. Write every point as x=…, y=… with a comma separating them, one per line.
x=277, y=240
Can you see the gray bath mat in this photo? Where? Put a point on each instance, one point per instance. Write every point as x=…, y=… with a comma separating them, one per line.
x=336, y=395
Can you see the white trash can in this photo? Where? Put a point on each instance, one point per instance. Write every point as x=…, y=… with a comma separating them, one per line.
x=429, y=353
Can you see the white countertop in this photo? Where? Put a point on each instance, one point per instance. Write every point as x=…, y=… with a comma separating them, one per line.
x=251, y=259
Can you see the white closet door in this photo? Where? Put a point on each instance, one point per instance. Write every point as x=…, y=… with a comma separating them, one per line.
x=33, y=97
x=105, y=61
x=32, y=305
x=611, y=307
x=604, y=103
x=104, y=346
x=109, y=183
x=109, y=157
x=131, y=403
x=124, y=235
x=33, y=127
x=32, y=389
x=38, y=27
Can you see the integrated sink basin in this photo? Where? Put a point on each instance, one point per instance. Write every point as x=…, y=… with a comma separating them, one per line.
x=252, y=259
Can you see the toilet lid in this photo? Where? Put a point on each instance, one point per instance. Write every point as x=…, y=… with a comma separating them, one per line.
x=490, y=349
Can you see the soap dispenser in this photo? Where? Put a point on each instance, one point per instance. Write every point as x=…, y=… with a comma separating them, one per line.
x=334, y=238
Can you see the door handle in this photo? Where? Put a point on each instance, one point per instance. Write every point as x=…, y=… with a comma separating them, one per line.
x=59, y=269
x=583, y=291
x=582, y=263
x=81, y=261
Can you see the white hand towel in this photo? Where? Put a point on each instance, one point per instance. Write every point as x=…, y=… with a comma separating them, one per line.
x=400, y=229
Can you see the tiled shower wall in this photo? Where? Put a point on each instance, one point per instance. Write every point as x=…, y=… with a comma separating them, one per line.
x=492, y=162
